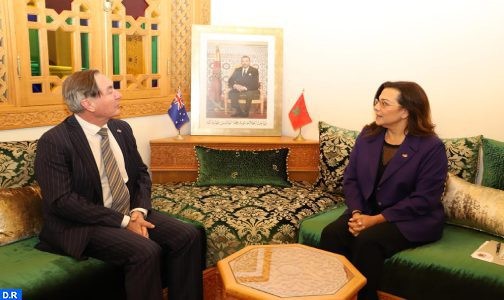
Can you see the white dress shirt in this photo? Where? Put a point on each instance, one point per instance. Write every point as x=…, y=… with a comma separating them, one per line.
x=94, y=139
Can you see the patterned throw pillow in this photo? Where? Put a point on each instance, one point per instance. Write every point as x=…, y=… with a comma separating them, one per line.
x=242, y=167
x=20, y=213
x=474, y=206
x=17, y=163
x=463, y=156
x=493, y=164
x=335, y=146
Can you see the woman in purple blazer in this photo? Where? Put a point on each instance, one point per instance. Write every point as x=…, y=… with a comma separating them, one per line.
x=393, y=184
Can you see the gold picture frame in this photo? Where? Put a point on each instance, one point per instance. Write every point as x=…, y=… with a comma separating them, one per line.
x=217, y=52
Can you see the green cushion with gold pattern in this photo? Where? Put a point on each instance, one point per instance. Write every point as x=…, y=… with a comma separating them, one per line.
x=242, y=167
x=336, y=143
x=17, y=163
x=463, y=154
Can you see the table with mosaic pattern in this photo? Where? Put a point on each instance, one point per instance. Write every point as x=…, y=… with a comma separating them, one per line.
x=288, y=271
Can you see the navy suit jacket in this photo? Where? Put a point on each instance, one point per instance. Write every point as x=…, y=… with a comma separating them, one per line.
x=71, y=189
x=410, y=190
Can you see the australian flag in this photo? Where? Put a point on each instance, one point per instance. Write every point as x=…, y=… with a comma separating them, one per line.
x=177, y=111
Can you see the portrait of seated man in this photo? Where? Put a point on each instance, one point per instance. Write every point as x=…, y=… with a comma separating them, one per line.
x=243, y=84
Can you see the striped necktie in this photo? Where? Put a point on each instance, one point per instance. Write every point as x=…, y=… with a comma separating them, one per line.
x=120, y=193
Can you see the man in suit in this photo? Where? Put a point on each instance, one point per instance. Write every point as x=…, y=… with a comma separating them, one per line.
x=80, y=218
x=244, y=84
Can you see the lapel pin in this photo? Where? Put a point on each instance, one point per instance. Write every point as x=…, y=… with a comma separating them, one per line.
x=405, y=155
x=119, y=130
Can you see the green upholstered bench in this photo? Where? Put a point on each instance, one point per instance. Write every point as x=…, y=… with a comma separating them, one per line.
x=43, y=275
x=440, y=270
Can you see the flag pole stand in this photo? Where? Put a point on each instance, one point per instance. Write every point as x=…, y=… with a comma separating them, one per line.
x=299, y=137
x=179, y=137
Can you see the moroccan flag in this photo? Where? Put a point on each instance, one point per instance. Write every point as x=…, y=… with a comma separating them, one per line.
x=298, y=114
x=177, y=111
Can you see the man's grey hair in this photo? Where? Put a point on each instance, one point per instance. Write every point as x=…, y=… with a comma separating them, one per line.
x=78, y=86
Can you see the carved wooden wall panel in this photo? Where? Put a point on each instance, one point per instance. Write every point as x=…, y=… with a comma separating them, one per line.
x=173, y=71
x=3, y=56
x=184, y=14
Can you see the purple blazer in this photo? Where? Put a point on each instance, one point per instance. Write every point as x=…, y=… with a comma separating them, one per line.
x=409, y=192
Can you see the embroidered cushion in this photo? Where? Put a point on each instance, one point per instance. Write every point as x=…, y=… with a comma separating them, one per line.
x=335, y=146
x=242, y=167
x=20, y=213
x=17, y=163
x=474, y=206
x=463, y=156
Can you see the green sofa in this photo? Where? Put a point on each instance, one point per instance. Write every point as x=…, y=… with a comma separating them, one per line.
x=238, y=216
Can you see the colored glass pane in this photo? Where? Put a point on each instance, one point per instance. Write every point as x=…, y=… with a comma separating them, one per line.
x=34, y=51
x=154, y=48
x=115, y=54
x=85, y=50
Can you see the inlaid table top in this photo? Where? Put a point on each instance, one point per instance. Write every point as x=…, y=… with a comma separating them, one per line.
x=289, y=271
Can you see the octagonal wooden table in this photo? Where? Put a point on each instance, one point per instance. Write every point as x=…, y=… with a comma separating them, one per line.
x=287, y=271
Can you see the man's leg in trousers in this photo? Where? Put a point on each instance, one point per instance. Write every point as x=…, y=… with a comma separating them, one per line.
x=182, y=249
x=139, y=257
x=370, y=249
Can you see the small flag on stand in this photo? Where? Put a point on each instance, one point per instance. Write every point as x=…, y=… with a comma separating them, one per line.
x=177, y=111
x=298, y=114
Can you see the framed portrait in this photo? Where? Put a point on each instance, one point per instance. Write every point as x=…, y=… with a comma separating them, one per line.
x=236, y=81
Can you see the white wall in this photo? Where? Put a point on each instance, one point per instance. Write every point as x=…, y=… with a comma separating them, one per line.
x=341, y=51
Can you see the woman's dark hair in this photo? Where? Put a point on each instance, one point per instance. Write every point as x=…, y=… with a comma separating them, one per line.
x=414, y=99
